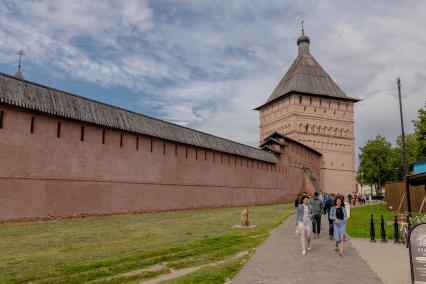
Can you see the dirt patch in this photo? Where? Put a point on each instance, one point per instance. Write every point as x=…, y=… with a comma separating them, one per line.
x=175, y=273
x=154, y=268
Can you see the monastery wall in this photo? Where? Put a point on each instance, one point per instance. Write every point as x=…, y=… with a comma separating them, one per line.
x=54, y=167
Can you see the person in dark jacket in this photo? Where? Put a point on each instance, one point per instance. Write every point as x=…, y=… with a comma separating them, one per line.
x=298, y=200
x=350, y=198
x=327, y=206
x=317, y=207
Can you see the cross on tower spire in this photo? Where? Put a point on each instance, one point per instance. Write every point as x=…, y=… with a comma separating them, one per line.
x=18, y=73
x=303, y=41
x=20, y=53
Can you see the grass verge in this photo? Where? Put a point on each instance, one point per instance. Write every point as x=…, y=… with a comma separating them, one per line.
x=88, y=249
x=358, y=225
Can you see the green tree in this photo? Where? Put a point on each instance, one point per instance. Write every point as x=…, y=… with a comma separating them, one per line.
x=411, y=146
x=380, y=162
x=420, y=132
x=377, y=163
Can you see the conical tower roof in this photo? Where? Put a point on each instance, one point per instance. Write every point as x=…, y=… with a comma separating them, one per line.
x=307, y=76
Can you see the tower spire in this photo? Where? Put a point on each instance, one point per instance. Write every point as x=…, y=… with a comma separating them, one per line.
x=18, y=73
x=303, y=41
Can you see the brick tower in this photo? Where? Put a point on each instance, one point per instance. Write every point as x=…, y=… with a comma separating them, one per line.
x=308, y=106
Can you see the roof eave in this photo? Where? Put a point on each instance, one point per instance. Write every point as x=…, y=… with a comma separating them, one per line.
x=270, y=139
x=293, y=140
x=271, y=149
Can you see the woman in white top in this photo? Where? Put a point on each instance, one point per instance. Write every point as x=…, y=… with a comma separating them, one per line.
x=304, y=223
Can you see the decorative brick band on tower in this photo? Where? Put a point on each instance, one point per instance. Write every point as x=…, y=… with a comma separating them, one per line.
x=308, y=106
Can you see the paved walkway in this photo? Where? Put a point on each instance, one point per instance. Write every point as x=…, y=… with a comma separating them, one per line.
x=279, y=260
x=390, y=261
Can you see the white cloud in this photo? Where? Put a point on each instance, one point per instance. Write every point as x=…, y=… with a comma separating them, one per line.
x=95, y=18
x=207, y=64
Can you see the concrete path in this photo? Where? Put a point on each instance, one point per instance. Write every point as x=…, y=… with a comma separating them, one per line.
x=390, y=261
x=279, y=260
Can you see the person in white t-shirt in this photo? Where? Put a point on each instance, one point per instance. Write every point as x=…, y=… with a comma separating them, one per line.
x=321, y=196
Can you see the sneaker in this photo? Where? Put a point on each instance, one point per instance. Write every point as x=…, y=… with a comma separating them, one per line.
x=331, y=238
x=309, y=248
x=303, y=252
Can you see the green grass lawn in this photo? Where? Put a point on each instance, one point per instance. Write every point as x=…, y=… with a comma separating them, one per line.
x=87, y=249
x=358, y=225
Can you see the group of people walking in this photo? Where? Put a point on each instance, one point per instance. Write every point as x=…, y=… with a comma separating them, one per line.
x=359, y=198
x=309, y=212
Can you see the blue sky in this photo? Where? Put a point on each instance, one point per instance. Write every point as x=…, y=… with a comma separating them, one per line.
x=207, y=64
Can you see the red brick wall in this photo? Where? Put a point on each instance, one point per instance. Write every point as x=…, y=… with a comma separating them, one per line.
x=296, y=157
x=42, y=175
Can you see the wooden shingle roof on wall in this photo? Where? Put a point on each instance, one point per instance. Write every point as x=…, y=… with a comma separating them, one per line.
x=276, y=135
x=29, y=95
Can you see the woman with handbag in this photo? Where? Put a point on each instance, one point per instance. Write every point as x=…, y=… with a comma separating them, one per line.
x=304, y=223
x=338, y=214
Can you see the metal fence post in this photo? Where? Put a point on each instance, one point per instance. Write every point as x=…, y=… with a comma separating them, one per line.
x=396, y=231
x=372, y=230
x=383, y=230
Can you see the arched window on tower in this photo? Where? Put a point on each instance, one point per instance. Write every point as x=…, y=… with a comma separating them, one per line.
x=306, y=128
x=300, y=99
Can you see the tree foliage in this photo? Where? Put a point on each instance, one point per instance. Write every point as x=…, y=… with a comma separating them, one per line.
x=420, y=133
x=411, y=150
x=377, y=162
x=380, y=162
